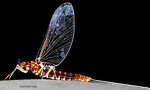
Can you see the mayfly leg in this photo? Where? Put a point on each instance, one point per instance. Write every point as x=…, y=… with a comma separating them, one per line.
x=10, y=75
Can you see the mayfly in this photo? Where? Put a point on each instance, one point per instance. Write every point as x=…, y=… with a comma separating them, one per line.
x=55, y=47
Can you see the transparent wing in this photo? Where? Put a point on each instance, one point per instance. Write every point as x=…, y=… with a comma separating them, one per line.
x=59, y=36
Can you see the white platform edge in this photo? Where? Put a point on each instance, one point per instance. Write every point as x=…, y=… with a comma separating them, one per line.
x=45, y=84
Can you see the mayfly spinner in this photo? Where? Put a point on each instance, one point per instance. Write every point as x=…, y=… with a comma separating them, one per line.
x=55, y=47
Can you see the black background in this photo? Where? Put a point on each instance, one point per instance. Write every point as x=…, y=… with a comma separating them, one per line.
x=110, y=43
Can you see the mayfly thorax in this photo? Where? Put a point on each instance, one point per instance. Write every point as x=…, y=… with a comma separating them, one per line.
x=55, y=47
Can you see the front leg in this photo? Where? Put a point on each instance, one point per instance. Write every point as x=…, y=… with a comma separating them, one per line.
x=51, y=68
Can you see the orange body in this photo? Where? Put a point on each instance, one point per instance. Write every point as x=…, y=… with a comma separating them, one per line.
x=37, y=69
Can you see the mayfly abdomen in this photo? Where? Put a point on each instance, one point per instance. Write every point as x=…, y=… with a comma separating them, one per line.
x=59, y=75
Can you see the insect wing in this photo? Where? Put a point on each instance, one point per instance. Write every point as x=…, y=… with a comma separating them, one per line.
x=59, y=36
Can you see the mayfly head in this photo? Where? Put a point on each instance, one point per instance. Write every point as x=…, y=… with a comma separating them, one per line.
x=20, y=66
x=23, y=67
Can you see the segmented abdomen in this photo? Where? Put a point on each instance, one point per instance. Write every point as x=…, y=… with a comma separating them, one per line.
x=67, y=76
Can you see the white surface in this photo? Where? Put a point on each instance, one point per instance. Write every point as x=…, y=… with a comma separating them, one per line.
x=39, y=84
